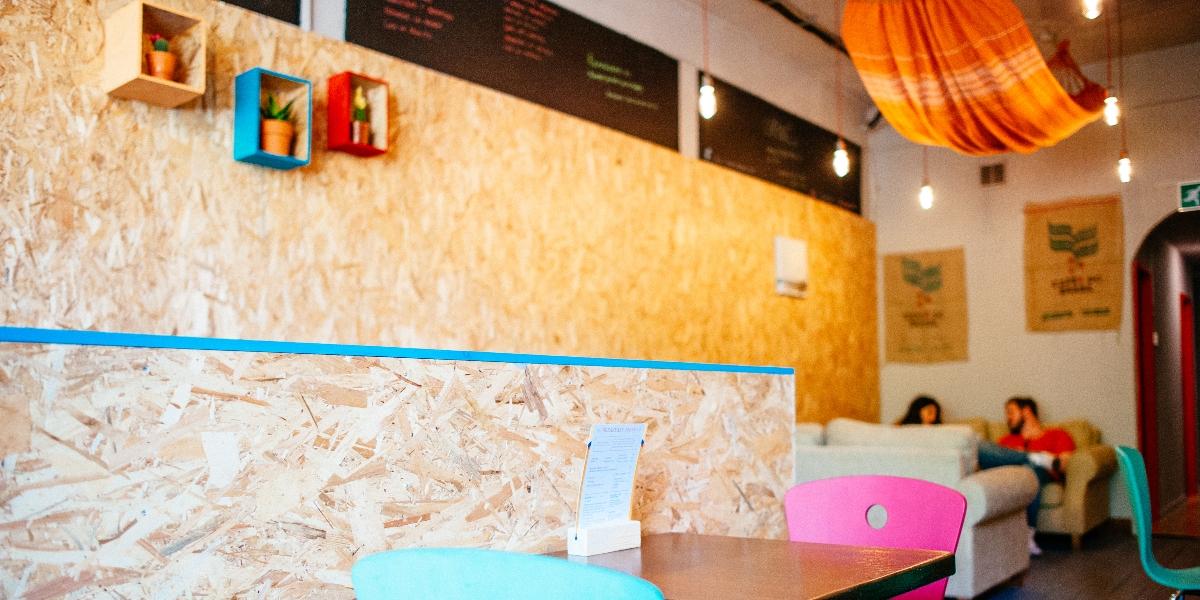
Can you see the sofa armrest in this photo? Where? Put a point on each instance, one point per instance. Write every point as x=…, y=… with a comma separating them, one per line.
x=1087, y=465
x=994, y=492
x=939, y=465
x=808, y=434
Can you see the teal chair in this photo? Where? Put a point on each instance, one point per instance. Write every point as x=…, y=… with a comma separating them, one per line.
x=472, y=574
x=1186, y=581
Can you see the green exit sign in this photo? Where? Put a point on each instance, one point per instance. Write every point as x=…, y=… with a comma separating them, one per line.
x=1189, y=196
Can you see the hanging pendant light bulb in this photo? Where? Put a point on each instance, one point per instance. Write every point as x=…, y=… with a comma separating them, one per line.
x=708, y=94
x=1112, y=112
x=1124, y=165
x=841, y=159
x=1091, y=8
x=925, y=196
x=708, y=97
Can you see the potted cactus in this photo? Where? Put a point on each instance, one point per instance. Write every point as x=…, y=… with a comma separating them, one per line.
x=360, y=126
x=160, y=61
x=277, y=129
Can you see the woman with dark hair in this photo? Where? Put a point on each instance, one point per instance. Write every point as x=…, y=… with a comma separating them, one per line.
x=923, y=410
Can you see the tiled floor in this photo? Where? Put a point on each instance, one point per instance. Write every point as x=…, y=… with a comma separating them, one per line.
x=1106, y=568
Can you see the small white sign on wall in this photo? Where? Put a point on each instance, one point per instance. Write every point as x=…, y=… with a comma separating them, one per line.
x=791, y=267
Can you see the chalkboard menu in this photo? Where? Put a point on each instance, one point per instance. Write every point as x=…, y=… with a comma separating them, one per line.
x=284, y=10
x=751, y=135
x=534, y=50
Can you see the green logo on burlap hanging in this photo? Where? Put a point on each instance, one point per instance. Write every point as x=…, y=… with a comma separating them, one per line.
x=1078, y=245
x=928, y=279
x=1085, y=242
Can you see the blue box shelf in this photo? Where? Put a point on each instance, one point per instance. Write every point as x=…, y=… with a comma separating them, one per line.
x=250, y=93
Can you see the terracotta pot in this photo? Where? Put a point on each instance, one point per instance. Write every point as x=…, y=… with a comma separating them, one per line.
x=360, y=132
x=277, y=136
x=161, y=64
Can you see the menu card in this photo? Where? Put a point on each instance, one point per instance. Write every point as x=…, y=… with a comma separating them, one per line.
x=607, y=491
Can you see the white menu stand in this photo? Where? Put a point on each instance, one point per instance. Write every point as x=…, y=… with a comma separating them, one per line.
x=606, y=537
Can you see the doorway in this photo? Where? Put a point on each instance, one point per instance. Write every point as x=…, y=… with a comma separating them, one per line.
x=1187, y=346
x=1164, y=286
x=1185, y=521
x=1143, y=326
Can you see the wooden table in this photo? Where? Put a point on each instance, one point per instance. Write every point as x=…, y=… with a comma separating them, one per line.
x=688, y=566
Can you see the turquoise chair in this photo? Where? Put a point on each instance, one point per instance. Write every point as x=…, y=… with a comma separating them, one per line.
x=472, y=574
x=1186, y=581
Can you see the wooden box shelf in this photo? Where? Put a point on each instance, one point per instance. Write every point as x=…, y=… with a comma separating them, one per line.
x=340, y=108
x=250, y=92
x=127, y=34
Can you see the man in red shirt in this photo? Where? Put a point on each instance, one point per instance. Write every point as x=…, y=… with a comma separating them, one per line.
x=1045, y=450
x=1027, y=434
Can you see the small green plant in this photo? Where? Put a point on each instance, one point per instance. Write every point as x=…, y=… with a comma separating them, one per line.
x=272, y=110
x=360, y=105
x=160, y=43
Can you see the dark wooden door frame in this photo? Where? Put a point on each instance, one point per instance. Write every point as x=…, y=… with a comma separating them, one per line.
x=1147, y=400
x=1187, y=332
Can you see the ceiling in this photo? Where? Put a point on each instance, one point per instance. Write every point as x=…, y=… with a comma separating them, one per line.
x=1146, y=24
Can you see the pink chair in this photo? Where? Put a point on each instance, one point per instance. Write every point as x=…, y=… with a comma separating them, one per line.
x=919, y=514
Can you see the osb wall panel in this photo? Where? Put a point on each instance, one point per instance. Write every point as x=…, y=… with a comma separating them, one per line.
x=493, y=223
x=172, y=473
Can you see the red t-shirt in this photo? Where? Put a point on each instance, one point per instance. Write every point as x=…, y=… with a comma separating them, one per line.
x=1054, y=441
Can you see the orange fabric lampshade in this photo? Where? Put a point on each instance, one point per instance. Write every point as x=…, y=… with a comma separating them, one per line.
x=965, y=74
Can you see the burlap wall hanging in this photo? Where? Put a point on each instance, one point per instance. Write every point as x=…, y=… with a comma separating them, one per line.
x=925, y=295
x=1074, y=264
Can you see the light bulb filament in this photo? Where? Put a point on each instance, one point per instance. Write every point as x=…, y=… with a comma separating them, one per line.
x=925, y=197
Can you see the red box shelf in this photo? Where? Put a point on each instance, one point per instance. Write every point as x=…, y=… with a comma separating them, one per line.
x=341, y=95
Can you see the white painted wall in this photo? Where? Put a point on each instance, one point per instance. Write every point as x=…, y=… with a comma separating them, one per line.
x=1084, y=374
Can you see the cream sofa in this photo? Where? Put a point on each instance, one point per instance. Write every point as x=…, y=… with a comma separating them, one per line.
x=1080, y=503
x=992, y=548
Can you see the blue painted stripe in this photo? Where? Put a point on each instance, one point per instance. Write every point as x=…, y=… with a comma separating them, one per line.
x=30, y=335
